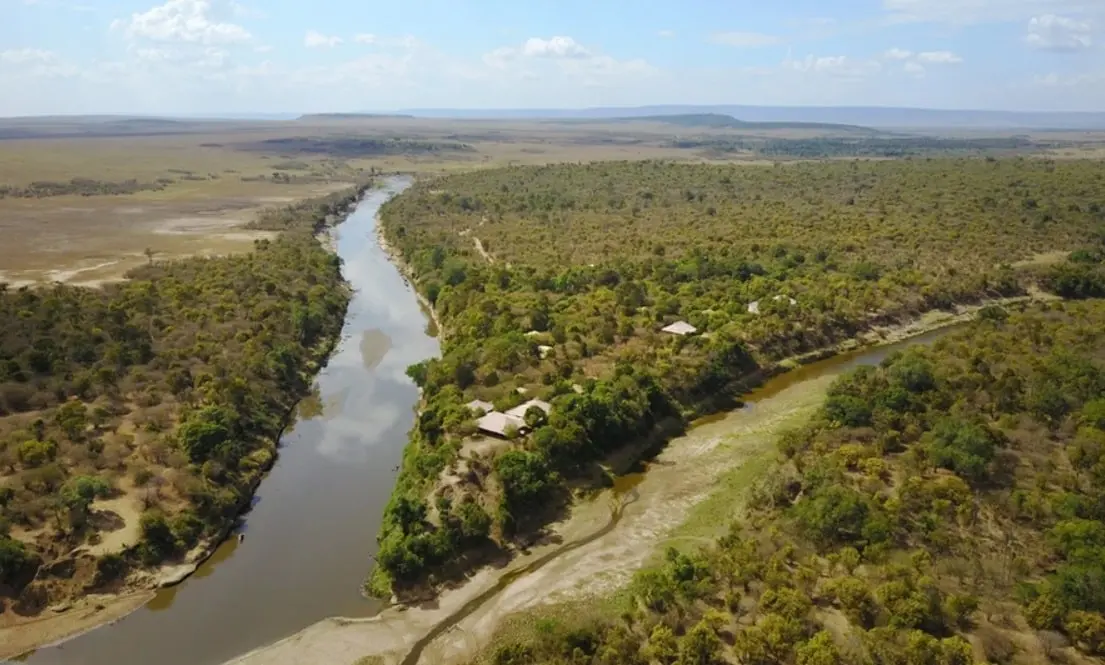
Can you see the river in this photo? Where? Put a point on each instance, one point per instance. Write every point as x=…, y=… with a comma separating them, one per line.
x=312, y=528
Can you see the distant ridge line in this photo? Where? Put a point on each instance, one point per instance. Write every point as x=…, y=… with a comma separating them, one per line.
x=863, y=116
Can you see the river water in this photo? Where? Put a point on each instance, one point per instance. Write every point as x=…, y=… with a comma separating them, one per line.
x=312, y=529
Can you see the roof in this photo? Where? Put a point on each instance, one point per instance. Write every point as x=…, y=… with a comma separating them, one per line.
x=497, y=423
x=520, y=410
x=680, y=328
x=754, y=306
x=480, y=405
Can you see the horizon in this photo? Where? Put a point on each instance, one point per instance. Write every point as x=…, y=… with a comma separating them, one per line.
x=413, y=112
x=211, y=57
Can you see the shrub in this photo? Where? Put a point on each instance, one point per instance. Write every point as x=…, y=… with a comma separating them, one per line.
x=700, y=646
x=513, y=654
x=838, y=515
x=819, y=650
x=14, y=560
x=964, y=447
x=1087, y=629
x=848, y=410
x=35, y=453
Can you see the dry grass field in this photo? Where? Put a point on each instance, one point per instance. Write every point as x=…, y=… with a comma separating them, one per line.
x=209, y=179
x=197, y=183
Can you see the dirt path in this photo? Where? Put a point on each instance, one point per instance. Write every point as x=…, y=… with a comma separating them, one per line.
x=482, y=251
x=479, y=245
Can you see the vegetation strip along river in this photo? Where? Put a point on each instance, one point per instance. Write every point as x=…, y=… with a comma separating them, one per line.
x=595, y=550
x=310, y=533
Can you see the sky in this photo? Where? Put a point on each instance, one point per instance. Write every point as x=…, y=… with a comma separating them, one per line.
x=291, y=56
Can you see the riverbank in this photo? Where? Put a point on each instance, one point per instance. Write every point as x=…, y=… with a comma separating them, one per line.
x=691, y=480
x=408, y=274
x=63, y=621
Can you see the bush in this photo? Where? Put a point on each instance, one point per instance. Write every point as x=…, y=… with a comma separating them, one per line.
x=109, y=567
x=513, y=654
x=14, y=561
x=819, y=650
x=835, y=514
x=854, y=597
x=1087, y=629
x=527, y=482
x=700, y=646
x=848, y=410
x=35, y=453
x=964, y=447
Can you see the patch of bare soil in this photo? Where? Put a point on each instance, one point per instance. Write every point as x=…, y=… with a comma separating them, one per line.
x=92, y=240
x=117, y=522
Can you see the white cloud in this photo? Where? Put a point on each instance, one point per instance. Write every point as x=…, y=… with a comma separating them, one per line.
x=315, y=39
x=1059, y=33
x=27, y=55
x=914, y=69
x=939, y=58
x=744, y=39
x=1076, y=81
x=562, y=57
x=185, y=21
x=835, y=65
x=36, y=63
x=554, y=47
x=365, y=38
x=245, y=11
x=898, y=54
x=665, y=33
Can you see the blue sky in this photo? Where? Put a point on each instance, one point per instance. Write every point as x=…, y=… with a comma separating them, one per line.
x=209, y=56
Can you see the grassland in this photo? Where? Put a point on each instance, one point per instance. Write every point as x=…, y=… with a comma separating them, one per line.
x=198, y=182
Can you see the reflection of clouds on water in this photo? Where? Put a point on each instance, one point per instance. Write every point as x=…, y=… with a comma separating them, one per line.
x=368, y=417
x=374, y=346
x=367, y=393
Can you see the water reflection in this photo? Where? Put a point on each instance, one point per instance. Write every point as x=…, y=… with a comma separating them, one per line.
x=374, y=346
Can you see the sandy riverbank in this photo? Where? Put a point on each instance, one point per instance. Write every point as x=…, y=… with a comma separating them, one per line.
x=81, y=616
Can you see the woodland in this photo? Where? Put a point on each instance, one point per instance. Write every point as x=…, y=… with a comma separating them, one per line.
x=154, y=404
x=942, y=508
x=554, y=281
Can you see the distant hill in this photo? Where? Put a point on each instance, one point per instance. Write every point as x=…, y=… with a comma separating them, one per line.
x=866, y=116
x=722, y=121
x=349, y=116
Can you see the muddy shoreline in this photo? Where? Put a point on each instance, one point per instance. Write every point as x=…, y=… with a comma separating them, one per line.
x=63, y=622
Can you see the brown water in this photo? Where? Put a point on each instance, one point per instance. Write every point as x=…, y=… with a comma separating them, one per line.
x=310, y=535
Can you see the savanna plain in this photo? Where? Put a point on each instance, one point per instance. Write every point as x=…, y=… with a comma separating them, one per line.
x=656, y=432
